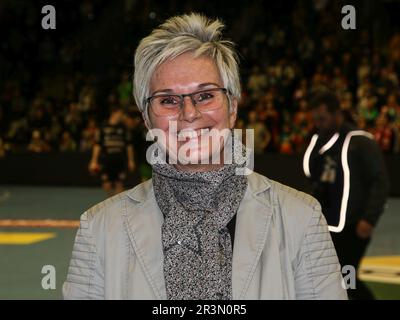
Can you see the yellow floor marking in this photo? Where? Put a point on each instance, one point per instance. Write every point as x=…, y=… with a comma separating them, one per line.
x=384, y=269
x=382, y=260
x=21, y=238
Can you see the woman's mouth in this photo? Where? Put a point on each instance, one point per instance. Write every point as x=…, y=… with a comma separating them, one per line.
x=191, y=134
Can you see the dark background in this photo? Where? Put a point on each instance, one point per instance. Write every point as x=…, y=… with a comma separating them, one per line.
x=92, y=48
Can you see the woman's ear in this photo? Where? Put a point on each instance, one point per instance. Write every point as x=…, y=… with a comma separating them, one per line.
x=146, y=120
x=148, y=125
x=233, y=113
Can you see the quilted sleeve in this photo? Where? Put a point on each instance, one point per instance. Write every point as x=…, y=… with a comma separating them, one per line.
x=85, y=274
x=318, y=274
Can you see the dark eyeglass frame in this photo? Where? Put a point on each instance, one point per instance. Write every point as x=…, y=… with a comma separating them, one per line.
x=182, y=96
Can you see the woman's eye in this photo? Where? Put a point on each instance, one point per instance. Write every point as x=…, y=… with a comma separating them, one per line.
x=169, y=100
x=205, y=96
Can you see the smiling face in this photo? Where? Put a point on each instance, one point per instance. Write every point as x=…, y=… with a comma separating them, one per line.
x=183, y=75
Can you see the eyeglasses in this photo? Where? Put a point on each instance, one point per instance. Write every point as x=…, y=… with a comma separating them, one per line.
x=171, y=104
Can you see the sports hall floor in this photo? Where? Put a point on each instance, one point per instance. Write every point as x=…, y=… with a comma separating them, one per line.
x=26, y=246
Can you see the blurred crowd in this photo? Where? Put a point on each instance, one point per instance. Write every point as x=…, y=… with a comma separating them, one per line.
x=55, y=100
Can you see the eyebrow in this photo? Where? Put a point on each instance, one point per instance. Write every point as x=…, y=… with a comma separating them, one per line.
x=200, y=86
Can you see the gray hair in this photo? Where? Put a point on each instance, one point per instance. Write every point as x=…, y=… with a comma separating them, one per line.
x=186, y=33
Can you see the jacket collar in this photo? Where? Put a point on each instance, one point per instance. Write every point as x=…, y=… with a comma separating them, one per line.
x=257, y=184
x=141, y=192
x=144, y=222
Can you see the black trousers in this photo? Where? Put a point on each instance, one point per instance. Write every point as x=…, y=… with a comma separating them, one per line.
x=350, y=250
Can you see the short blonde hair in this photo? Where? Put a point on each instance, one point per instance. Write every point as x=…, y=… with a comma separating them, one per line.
x=186, y=33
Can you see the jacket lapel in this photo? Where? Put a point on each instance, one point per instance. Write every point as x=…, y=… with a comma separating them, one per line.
x=253, y=218
x=143, y=224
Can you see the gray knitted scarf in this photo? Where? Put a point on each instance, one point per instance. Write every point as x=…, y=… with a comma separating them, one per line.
x=197, y=207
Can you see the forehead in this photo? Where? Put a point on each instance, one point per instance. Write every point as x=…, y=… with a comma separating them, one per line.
x=185, y=72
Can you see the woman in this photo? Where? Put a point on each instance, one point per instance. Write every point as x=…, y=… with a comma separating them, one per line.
x=200, y=230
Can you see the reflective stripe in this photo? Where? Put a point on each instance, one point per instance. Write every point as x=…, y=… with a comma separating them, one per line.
x=346, y=177
x=307, y=154
x=329, y=144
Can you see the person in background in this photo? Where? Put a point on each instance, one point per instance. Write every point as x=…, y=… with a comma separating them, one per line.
x=89, y=136
x=67, y=144
x=37, y=143
x=113, y=153
x=348, y=177
x=384, y=133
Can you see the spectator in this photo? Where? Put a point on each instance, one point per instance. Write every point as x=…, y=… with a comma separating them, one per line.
x=286, y=140
x=261, y=134
x=86, y=99
x=38, y=144
x=52, y=135
x=18, y=134
x=73, y=120
x=392, y=108
x=364, y=69
x=271, y=120
x=368, y=110
x=67, y=143
x=125, y=90
x=302, y=122
x=257, y=83
x=89, y=135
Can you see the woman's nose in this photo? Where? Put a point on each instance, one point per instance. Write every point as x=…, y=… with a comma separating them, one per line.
x=189, y=111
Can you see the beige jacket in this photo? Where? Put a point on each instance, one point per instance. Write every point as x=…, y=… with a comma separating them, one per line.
x=282, y=248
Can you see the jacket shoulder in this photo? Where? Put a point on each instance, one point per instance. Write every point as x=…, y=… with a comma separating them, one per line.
x=297, y=209
x=289, y=195
x=281, y=194
x=293, y=210
x=112, y=205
